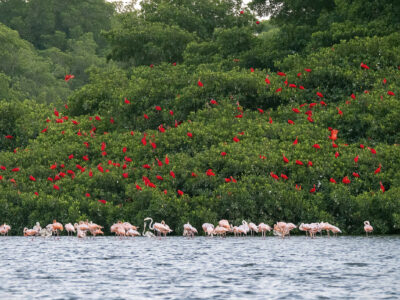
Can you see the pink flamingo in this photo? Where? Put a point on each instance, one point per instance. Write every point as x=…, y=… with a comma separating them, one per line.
x=253, y=228
x=160, y=228
x=30, y=232
x=4, y=229
x=263, y=228
x=189, y=230
x=368, y=227
x=69, y=228
x=208, y=229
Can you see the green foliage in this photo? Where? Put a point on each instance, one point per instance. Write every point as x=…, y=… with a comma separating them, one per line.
x=199, y=76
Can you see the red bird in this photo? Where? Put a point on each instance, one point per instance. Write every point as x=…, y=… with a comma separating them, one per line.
x=212, y=101
x=32, y=178
x=307, y=70
x=85, y=157
x=300, y=163
x=100, y=168
x=189, y=134
x=373, y=151
x=102, y=201
x=339, y=111
x=378, y=170
x=3, y=168
x=334, y=133
x=172, y=174
x=97, y=118
x=199, y=83
x=390, y=93
x=320, y=95
x=144, y=142
x=382, y=187
x=145, y=116
x=223, y=153
x=334, y=145
x=127, y=101
x=295, y=141
x=166, y=160
x=158, y=108
x=125, y=175
x=15, y=170
x=270, y=120
x=278, y=90
x=332, y=180
x=138, y=187
x=316, y=146
x=45, y=129
x=296, y=110
x=285, y=159
x=9, y=137
x=356, y=159
x=310, y=164
x=290, y=122
x=336, y=154
x=235, y=139
x=356, y=175
x=346, y=180
x=194, y=174
x=281, y=74
x=210, y=172
x=180, y=193
x=310, y=119
x=91, y=173
x=267, y=81
x=313, y=189
x=159, y=177
x=364, y=66
x=56, y=187
x=274, y=176
x=68, y=77
x=284, y=176
x=146, y=166
x=227, y=180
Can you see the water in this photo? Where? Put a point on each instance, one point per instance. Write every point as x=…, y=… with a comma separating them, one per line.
x=200, y=268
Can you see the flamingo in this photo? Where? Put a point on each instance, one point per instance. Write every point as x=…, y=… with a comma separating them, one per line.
x=221, y=231
x=56, y=227
x=46, y=232
x=148, y=233
x=97, y=232
x=225, y=224
x=132, y=232
x=368, y=227
x=69, y=228
x=4, y=229
x=304, y=227
x=281, y=229
x=189, y=230
x=81, y=234
x=263, y=228
x=245, y=226
x=30, y=232
x=208, y=229
x=253, y=227
x=160, y=228
x=37, y=227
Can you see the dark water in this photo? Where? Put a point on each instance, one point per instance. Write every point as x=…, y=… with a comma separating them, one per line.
x=201, y=268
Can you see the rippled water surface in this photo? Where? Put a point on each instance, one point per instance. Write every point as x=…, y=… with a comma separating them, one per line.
x=200, y=268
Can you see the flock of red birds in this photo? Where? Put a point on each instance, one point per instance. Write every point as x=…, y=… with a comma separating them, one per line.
x=209, y=172
x=126, y=229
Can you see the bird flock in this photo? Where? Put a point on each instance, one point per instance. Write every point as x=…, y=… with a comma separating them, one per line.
x=126, y=229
